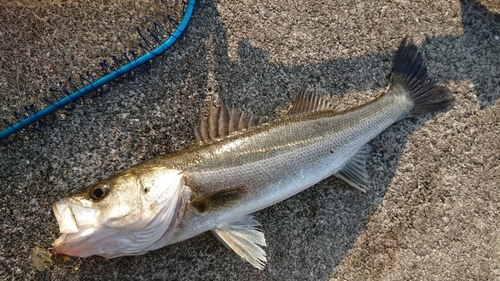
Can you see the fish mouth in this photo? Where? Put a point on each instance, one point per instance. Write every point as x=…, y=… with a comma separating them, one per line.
x=75, y=222
x=64, y=216
x=74, y=218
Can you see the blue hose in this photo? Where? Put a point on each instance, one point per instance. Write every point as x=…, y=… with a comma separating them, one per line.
x=39, y=115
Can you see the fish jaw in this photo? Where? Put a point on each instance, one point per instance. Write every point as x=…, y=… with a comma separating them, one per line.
x=76, y=223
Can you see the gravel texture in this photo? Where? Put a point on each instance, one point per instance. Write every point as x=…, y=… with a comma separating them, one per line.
x=433, y=209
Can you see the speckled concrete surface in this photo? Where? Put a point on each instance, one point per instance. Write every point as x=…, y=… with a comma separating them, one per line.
x=432, y=212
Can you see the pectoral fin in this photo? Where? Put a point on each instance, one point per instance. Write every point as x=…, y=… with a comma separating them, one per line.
x=224, y=197
x=245, y=239
x=354, y=172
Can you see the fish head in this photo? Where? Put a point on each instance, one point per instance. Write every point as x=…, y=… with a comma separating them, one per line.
x=123, y=215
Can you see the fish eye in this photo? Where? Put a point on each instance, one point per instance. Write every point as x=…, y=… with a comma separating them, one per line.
x=99, y=191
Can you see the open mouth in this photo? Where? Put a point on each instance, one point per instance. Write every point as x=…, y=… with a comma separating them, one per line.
x=76, y=224
x=73, y=218
x=65, y=217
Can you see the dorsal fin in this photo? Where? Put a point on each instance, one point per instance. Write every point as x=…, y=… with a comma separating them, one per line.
x=220, y=122
x=309, y=102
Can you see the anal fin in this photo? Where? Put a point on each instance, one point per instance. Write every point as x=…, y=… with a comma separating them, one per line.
x=245, y=239
x=354, y=172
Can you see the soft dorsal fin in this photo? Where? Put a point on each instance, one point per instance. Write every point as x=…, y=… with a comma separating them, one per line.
x=245, y=239
x=309, y=102
x=354, y=171
x=221, y=122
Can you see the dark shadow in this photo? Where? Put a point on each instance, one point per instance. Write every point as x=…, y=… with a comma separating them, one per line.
x=477, y=47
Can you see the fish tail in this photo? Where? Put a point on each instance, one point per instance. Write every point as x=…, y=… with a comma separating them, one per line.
x=410, y=77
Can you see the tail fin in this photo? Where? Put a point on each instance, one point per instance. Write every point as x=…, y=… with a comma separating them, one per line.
x=410, y=74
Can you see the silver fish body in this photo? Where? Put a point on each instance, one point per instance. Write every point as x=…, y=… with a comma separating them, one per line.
x=239, y=166
x=277, y=160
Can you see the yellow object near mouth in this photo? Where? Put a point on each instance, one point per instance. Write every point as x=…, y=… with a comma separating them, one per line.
x=42, y=258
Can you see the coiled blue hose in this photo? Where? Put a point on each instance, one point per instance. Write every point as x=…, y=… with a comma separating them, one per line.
x=94, y=85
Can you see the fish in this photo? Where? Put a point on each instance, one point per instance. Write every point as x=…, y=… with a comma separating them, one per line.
x=241, y=163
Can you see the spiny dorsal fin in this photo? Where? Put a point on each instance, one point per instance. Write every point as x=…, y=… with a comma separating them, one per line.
x=220, y=122
x=309, y=102
x=354, y=172
x=245, y=239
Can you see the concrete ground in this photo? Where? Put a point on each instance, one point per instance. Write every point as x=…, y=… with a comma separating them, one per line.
x=433, y=209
